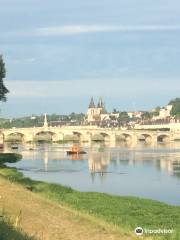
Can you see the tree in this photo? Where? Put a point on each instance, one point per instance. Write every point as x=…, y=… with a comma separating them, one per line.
x=113, y=118
x=3, y=89
x=147, y=116
x=115, y=110
x=77, y=116
x=156, y=111
x=123, y=117
x=176, y=107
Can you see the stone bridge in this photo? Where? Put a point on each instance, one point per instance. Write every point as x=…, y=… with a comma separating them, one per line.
x=90, y=133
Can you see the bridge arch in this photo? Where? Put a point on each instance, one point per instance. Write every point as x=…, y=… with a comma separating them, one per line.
x=100, y=136
x=85, y=137
x=106, y=136
x=76, y=133
x=164, y=138
x=148, y=138
x=124, y=137
x=15, y=137
x=45, y=136
x=72, y=136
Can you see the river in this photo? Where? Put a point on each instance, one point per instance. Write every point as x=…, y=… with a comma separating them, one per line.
x=146, y=171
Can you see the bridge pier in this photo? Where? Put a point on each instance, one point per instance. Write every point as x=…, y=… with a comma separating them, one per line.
x=86, y=138
x=55, y=138
x=154, y=139
x=61, y=137
x=134, y=139
x=1, y=139
x=112, y=138
x=149, y=140
x=28, y=138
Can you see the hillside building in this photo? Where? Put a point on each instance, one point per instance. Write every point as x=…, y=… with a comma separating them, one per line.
x=164, y=112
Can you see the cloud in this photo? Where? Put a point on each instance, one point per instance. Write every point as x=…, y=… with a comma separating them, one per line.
x=23, y=60
x=65, y=30
x=27, y=97
x=87, y=87
x=80, y=29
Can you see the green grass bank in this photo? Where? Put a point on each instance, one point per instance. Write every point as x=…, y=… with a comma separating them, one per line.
x=123, y=212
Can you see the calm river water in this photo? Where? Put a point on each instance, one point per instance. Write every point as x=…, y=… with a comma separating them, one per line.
x=144, y=171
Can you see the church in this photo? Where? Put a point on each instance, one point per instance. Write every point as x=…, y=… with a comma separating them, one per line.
x=97, y=113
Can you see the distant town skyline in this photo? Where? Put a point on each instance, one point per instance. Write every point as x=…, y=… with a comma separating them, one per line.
x=60, y=54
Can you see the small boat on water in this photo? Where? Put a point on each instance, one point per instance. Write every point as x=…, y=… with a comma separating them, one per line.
x=75, y=150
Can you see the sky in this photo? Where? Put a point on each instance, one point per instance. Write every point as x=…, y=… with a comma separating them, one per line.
x=60, y=53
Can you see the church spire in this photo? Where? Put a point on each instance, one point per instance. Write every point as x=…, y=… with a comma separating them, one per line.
x=100, y=103
x=91, y=104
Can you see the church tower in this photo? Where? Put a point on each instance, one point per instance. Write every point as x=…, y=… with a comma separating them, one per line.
x=91, y=104
x=96, y=113
x=100, y=103
x=91, y=110
x=101, y=107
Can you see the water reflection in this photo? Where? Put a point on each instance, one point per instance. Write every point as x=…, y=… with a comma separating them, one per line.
x=117, y=170
x=172, y=166
x=165, y=157
x=98, y=163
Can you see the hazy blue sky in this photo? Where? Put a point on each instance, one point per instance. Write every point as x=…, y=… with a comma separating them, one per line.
x=59, y=53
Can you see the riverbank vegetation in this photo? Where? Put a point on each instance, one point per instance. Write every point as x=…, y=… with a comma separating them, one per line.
x=9, y=158
x=123, y=212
